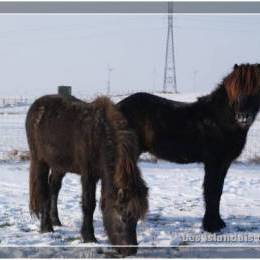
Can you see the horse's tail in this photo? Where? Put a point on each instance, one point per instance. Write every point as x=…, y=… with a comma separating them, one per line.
x=127, y=176
x=34, y=202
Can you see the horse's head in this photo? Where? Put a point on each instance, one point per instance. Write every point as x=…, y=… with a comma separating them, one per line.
x=243, y=89
x=121, y=212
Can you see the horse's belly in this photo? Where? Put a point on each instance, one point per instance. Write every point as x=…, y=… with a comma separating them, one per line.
x=179, y=157
x=180, y=152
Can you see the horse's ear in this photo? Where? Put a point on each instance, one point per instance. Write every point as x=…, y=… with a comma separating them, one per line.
x=235, y=66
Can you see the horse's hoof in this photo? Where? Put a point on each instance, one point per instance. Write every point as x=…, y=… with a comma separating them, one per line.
x=46, y=229
x=212, y=224
x=56, y=222
x=89, y=239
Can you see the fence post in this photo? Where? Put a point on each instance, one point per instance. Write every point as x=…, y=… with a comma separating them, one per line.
x=64, y=90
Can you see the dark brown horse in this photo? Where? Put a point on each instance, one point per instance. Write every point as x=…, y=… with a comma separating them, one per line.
x=92, y=140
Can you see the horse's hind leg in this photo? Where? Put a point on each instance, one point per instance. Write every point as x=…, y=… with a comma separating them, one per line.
x=88, y=207
x=55, y=182
x=44, y=197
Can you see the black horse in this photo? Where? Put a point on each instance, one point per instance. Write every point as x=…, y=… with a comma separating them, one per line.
x=212, y=130
x=94, y=141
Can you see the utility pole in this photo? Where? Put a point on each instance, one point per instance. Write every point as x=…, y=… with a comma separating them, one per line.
x=109, y=71
x=169, y=82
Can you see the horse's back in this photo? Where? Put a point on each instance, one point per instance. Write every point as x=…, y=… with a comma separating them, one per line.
x=53, y=111
x=143, y=99
x=49, y=106
x=147, y=106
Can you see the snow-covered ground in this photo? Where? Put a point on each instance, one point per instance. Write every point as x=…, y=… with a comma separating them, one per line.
x=173, y=221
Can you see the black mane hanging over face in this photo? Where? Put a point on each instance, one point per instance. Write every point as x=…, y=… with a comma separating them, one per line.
x=212, y=130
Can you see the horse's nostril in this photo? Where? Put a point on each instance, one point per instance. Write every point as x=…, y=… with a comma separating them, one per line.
x=244, y=118
x=239, y=117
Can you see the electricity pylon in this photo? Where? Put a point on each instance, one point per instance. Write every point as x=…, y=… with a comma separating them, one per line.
x=169, y=82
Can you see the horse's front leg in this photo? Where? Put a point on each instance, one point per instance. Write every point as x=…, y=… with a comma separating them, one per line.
x=215, y=173
x=88, y=207
x=55, y=181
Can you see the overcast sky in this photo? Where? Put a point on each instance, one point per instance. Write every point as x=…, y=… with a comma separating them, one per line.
x=40, y=52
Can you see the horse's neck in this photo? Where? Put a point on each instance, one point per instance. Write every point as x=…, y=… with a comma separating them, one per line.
x=216, y=97
x=217, y=103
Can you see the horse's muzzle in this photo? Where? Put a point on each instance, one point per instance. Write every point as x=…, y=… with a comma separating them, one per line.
x=244, y=119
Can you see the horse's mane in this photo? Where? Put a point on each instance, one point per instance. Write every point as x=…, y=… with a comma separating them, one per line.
x=127, y=176
x=244, y=78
